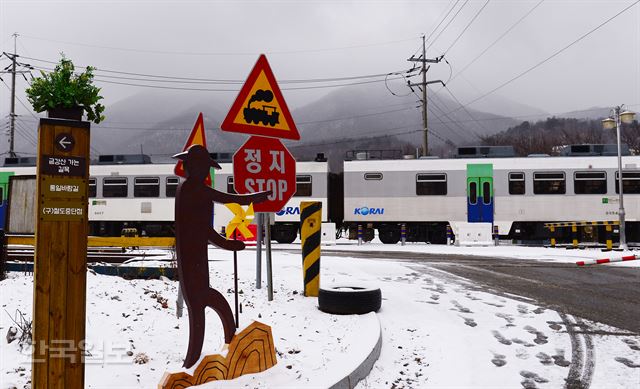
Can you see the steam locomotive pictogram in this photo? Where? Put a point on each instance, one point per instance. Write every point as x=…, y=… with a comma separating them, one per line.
x=267, y=115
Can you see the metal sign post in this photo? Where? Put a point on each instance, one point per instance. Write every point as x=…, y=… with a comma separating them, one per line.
x=259, y=251
x=270, y=217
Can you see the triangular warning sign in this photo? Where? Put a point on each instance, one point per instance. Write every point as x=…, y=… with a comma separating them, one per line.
x=260, y=108
x=197, y=137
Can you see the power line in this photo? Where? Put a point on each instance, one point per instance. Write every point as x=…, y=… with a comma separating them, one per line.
x=359, y=139
x=445, y=114
x=467, y=26
x=26, y=135
x=507, y=31
x=235, y=90
x=447, y=25
x=194, y=53
x=441, y=20
x=355, y=116
x=212, y=80
x=466, y=110
x=546, y=59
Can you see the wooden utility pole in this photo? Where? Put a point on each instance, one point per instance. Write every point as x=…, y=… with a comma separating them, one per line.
x=423, y=85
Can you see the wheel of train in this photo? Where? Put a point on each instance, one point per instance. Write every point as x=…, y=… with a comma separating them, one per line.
x=389, y=234
x=284, y=233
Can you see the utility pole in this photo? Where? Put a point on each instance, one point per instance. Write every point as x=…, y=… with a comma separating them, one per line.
x=12, y=128
x=423, y=85
x=13, y=71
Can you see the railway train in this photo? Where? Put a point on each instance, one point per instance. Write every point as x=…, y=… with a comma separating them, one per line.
x=517, y=195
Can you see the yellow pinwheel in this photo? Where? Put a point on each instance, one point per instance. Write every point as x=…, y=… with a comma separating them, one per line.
x=240, y=221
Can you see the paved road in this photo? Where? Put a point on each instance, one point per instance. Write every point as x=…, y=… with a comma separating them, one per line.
x=607, y=294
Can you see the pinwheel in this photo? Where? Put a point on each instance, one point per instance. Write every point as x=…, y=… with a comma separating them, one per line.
x=240, y=221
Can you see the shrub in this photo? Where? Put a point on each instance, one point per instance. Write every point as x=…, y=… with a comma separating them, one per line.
x=62, y=88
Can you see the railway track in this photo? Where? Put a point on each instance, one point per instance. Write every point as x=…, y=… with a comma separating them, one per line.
x=107, y=255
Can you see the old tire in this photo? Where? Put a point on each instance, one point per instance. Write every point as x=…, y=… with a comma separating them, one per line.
x=348, y=300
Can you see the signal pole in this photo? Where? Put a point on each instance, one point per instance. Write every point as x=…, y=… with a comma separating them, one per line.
x=423, y=85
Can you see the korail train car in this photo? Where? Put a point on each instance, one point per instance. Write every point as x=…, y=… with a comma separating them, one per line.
x=127, y=191
x=488, y=184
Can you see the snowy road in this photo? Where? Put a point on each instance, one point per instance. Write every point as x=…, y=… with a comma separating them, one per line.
x=439, y=329
x=604, y=294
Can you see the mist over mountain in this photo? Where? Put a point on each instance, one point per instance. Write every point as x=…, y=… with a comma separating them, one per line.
x=363, y=117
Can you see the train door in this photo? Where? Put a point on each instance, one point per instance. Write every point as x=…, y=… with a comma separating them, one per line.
x=4, y=187
x=480, y=193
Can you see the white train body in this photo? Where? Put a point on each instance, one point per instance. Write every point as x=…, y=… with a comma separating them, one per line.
x=383, y=193
x=142, y=196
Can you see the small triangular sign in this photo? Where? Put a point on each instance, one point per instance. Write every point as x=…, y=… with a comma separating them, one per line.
x=197, y=137
x=260, y=108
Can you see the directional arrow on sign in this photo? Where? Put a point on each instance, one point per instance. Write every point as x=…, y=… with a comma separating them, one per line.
x=64, y=142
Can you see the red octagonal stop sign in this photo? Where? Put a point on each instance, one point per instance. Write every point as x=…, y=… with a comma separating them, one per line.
x=265, y=164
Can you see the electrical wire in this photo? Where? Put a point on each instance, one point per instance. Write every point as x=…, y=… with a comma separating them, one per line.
x=555, y=54
x=193, y=53
x=467, y=111
x=447, y=25
x=25, y=134
x=505, y=33
x=467, y=27
x=444, y=113
x=441, y=20
x=187, y=80
x=99, y=78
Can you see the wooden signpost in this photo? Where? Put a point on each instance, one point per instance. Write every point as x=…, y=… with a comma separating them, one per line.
x=60, y=265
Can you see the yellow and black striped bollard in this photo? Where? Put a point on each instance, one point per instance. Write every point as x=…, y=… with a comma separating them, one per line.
x=310, y=224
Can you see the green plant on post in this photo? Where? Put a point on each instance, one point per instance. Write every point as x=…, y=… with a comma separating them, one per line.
x=63, y=89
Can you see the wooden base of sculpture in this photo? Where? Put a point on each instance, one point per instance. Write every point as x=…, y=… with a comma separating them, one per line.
x=251, y=351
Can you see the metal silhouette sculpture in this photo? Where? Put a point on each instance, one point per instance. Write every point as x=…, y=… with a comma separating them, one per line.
x=193, y=212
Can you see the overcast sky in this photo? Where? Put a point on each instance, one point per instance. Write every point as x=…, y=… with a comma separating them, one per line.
x=324, y=39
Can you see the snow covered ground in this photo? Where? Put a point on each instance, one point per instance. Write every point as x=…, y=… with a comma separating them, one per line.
x=438, y=330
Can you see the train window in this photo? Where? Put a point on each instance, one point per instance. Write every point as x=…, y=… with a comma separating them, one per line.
x=486, y=193
x=373, y=176
x=590, y=182
x=114, y=187
x=146, y=187
x=473, y=192
x=93, y=187
x=171, y=185
x=431, y=184
x=1, y=195
x=230, y=187
x=303, y=186
x=630, y=182
x=549, y=183
x=516, y=183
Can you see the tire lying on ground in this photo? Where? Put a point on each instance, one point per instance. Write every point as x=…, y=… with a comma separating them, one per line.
x=347, y=300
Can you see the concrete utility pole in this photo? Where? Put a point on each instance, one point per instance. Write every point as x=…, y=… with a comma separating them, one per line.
x=423, y=85
x=12, y=116
x=12, y=129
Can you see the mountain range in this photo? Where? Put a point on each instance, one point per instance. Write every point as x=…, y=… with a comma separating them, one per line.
x=363, y=117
